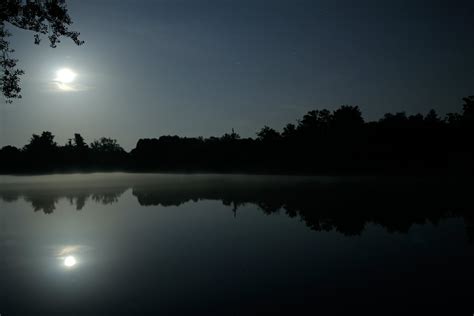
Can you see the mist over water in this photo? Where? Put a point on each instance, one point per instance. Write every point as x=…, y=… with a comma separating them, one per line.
x=234, y=244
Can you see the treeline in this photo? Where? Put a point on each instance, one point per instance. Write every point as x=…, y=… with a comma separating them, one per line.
x=43, y=154
x=322, y=141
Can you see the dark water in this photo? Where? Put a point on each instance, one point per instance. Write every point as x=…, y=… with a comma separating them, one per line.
x=238, y=245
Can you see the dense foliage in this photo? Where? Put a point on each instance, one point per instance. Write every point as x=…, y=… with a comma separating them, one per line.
x=336, y=142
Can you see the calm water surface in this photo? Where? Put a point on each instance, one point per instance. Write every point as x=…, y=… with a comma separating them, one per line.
x=124, y=244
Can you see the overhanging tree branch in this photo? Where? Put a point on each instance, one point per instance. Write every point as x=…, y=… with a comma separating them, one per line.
x=44, y=17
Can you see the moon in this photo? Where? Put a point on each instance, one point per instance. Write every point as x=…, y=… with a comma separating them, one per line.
x=65, y=76
x=70, y=261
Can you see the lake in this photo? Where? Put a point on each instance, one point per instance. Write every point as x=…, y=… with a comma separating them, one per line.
x=124, y=244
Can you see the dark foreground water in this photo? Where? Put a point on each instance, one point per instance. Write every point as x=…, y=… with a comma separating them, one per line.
x=118, y=244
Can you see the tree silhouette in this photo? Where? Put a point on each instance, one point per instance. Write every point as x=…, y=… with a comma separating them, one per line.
x=395, y=120
x=432, y=118
x=315, y=120
x=79, y=142
x=454, y=119
x=418, y=119
x=267, y=134
x=289, y=131
x=106, y=145
x=468, y=109
x=337, y=142
x=233, y=136
x=43, y=143
x=42, y=17
x=347, y=117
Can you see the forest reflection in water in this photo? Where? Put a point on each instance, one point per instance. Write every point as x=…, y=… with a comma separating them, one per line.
x=126, y=244
x=344, y=204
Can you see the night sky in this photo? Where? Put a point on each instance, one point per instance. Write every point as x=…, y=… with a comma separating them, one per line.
x=203, y=67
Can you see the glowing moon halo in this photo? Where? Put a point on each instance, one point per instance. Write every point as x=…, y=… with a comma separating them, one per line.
x=65, y=76
x=70, y=261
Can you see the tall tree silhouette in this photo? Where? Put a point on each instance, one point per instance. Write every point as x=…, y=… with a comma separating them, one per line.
x=79, y=141
x=348, y=117
x=41, y=143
